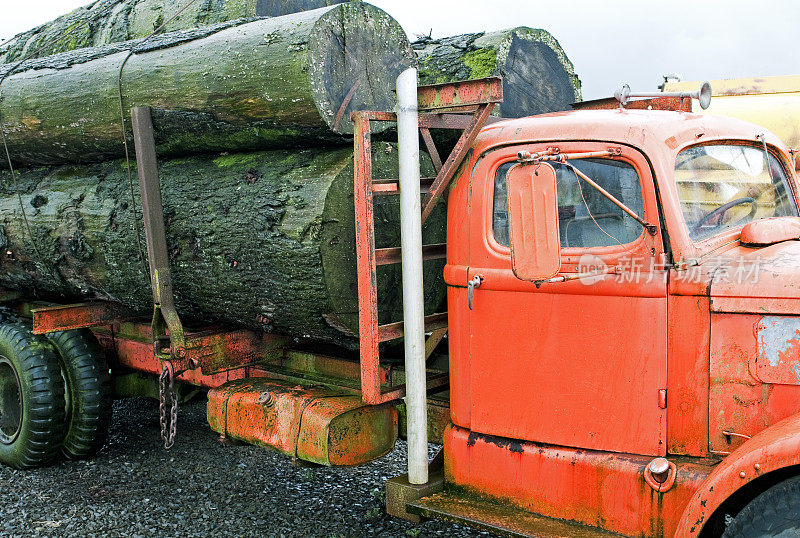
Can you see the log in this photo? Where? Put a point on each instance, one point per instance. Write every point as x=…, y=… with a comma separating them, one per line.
x=262, y=240
x=278, y=82
x=537, y=75
x=111, y=21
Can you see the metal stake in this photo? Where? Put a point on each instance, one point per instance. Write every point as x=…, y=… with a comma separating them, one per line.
x=413, y=300
x=165, y=316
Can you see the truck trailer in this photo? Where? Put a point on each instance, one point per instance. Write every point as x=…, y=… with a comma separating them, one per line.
x=622, y=331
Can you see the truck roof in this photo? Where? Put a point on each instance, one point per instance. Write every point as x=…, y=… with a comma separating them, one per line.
x=645, y=129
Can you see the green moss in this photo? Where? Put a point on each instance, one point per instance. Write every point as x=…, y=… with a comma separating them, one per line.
x=238, y=159
x=481, y=63
x=78, y=35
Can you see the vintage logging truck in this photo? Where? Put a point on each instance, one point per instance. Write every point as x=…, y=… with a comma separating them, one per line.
x=623, y=328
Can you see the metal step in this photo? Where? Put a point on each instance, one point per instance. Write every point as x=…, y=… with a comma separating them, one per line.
x=499, y=519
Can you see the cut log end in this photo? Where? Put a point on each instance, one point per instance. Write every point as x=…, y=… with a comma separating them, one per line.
x=535, y=79
x=342, y=53
x=537, y=75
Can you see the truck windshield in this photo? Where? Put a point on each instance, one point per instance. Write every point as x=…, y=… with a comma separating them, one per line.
x=726, y=185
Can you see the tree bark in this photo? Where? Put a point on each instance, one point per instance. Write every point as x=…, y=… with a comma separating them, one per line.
x=261, y=240
x=110, y=21
x=279, y=82
x=537, y=75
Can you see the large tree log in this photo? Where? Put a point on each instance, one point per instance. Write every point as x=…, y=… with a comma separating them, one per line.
x=258, y=240
x=110, y=21
x=537, y=75
x=278, y=82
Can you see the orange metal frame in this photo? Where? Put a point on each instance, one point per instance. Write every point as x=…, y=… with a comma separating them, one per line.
x=437, y=102
x=77, y=316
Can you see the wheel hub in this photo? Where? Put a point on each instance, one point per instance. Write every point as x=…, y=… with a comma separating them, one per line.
x=10, y=402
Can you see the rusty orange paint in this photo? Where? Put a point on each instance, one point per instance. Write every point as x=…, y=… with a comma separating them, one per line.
x=478, y=97
x=220, y=354
x=533, y=221
x=619, y=371
x=689, y=327
x=660, y=135
x=775, y=289
x=774, y=448
x=596, y=488
x=656, y=103
x=460, y=94
x=738, y=402
x=76, y=316
x=770, y=231
x=534, y=369
x=138, y=355
x=314, y=424
x=365, y=260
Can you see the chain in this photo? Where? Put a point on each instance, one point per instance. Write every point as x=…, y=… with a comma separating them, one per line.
x=166, y=381
x=167, y=396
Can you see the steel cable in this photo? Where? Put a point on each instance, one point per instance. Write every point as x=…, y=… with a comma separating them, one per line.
x=131, y=52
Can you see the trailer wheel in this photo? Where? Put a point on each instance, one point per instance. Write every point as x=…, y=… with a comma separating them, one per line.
x=776, y=512
x=88, y=392
x=32, y=401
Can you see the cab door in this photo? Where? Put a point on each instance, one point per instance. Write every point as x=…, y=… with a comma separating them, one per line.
x=580, y=363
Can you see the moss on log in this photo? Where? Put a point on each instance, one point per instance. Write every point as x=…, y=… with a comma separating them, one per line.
x=278, y=82
x=537, y=75
x=260, y=240
x=111, y=21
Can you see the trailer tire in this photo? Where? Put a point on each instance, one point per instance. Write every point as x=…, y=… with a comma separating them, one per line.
x=32, y=419
x=776, y=512
x=88, y=392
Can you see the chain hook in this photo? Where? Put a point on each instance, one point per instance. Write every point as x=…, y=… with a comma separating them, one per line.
x=166, y=392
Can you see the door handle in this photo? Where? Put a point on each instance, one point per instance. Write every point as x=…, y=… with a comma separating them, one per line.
x=471, y=285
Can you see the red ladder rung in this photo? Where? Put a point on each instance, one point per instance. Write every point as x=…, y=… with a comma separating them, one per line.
x=388, y=256
x=392, y=186
x=393, y=331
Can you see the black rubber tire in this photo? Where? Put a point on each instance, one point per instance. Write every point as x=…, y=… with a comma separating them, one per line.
x=34, y=435
x=88, y=392
x=774, y=513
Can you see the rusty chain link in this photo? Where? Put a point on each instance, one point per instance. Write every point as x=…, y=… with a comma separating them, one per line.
x=166, y=392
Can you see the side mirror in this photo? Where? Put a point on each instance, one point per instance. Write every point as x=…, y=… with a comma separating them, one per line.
x=533, y=221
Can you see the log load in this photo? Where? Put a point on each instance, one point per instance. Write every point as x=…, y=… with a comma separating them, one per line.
x=261, y=240
x=537, y=75
x=111, y=21
x=279, y=82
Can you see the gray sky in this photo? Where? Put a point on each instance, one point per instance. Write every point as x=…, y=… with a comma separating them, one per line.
x=610, y=42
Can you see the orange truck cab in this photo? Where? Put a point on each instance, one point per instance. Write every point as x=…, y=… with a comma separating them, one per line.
x=649, y=386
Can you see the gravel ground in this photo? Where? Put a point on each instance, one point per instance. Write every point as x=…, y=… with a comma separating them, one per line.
x=201, y=487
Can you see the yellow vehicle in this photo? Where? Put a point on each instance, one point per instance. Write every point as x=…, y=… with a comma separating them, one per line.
x=773, y=102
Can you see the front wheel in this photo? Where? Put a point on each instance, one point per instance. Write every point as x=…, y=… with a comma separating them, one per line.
x=32, y=417
x=774, y=513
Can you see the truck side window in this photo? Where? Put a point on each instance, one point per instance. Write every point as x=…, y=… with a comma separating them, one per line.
x=586, y=218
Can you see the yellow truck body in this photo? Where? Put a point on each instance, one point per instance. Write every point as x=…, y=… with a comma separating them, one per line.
x=773, y=102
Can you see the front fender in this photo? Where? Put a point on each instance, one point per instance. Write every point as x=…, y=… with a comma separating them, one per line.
x=774, y=448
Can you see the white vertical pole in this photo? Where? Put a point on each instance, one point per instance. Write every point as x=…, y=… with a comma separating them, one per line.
x=413, y=300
